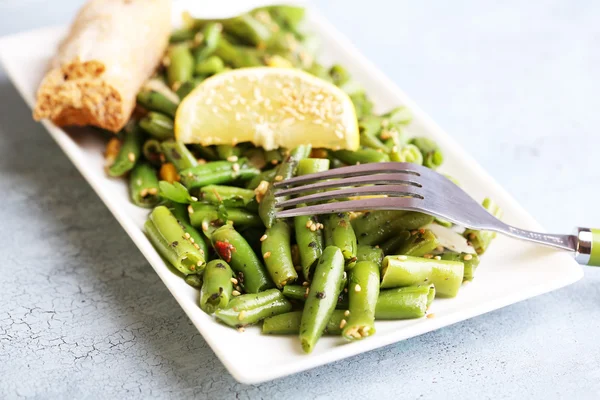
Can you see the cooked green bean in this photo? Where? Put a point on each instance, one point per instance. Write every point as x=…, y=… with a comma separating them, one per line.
x=256, y=157
x=158, y=125
x=471, y=262
x=369, y=253
x=217, y=172
x=212, y=65
x=404, y=303
x=178, y=154
x=250, y=308
x=230, y=196
x=480, y=240
x=391, y=245
x=155, y=101
x=211, y=34
x=273, y=157
x=207, y=153
x=399, y=271
x=361, y=156
x=263, y=176
x=338, y=232
x=227, y=151
x=202, y=212
x=181, y=65
x=180, y=211
x=233, y=248
x=238, y=56
x=285, y=170
x=339, y=75
x=363, y=291
x=432, y=155
x=187, y=87
x=143, y=186
x=295, y=292
x=152, y=152
x=399, y=115
x=407, y=153
x=194, y=280
x=181, y=35
x=289, y=323
x=277, y=253
x=322, y=297
x=248, y=29
x=420, y=243
x=172, y=242
x=378, y=226
x=374, y=143
x=130, y=151
x=217, y=287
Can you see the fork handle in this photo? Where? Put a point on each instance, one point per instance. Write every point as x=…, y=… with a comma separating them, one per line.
x=587, y=251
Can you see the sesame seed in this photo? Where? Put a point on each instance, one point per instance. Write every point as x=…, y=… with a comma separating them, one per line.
x=342, y=324
x=428, y=256
x=432, y=315
x=192, y=240
x=345, y=290
x=190, y=174
x=263, y=237
x=236, y=167
x=357, y=288
x=241, y=315
x=201, y=252
x=402, y=258
x=144, y=192
x=313, y=228
x=205, y=226
x=267, y=254
x=241, y=329
x=235, y=293
x=190, y=209
x=232, y=158
x=309, y=223
x=279, y=178
x=468, y=257
x=307, y=291
x=131, y=157
x=437, y=258
x=305, y=283
x=199, y=263
x=234, y=281
x=197, y=246
x=346, y=313
x=440, y=248
x=364, y=331
x=186, y=235
x=356, y=335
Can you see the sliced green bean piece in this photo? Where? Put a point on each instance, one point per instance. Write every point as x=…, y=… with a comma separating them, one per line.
x=203, y=212
x=369, y=253
x=207, y=153
x=171, y=241
x=212, y=35
x=399, y=271
x=217, y=172
x=143, y=186
x=181, y=35
x=180, y=211
x=289, y=323
x=480, y=240
x=217, y=286
x=363, y=291
x=420, y=243
x=250, y=308
x=130, y=151
x=187, y=87
x=273, y=157
x=285, y=170
x=263, y=176
x=230, y=196
x=226, y=151
x=322, y=297
x=373, y=142
x=179, y=155
x=157, y=125
x=338, y=232
x=391, y=245
x=211, y=66
x=181, y=65
x=432, y=155
x=295, y=292
x=376, y=227
x=153, y=152
x=194, y=280
x=248, y=29
x=407, y=153
x=155, y=101
x=471, y=262
x=277, y=253
x=235, y=250
x=404, y=303
x=362, y=156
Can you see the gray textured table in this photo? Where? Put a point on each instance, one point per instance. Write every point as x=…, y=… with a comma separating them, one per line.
x=82, y=314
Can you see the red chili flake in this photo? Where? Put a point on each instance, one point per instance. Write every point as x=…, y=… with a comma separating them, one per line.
x=224, y=249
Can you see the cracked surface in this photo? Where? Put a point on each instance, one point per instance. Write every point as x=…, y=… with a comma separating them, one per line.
x=82, y=314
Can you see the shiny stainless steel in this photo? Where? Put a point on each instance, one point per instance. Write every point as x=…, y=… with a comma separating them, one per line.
x=408, y=187
x=583, y=252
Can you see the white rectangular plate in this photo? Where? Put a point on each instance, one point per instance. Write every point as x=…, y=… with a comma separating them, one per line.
x=510, y=272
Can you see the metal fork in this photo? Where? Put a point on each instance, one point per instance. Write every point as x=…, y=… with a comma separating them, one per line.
x=415, y=188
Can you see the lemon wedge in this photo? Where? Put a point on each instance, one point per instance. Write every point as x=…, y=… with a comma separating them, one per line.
x=270, y=107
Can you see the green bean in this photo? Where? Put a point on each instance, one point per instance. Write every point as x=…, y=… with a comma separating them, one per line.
x=248, y=29
x=295, y=292
x=238, y=56
x=187, y=87
x=230, y=196
x=217, y=287
x=263, y=176
x=212, y=35
x=181, y=35
x=181, y=65
x=338, y=232
x=361, y=156
x=471, y=262
x=432, y=155
x=129, y=153
x=399, y=271
x=373, y=142
x=252, y=234
x=250, y=308
x=194, y=280
x=404, y=303
x=180, y=211
x=363, y=291
x=443, y=222
x=143, y=186
x=339, y=75
x=273, y=157
x=152, y=152
x=391, y=245
x=233, y=248
x=178, y=154
x=480, y=240
x=277, y=253
x=256, y=157
x=319, y=71
x=371, y=125
x=225, y=151
x=377, y=226
x=285, y=170
x=369, y=253
x=157, y=125
x=420, y=243
x=207, y=153
x=322, y=297
x=287, y=16
x=171, y=241
x=289, y=323
x=202, y=212
x=211, y=66
x=407, y=153
x=399, y=115
x=362, y=104
x=155, y=101
x=217, y=172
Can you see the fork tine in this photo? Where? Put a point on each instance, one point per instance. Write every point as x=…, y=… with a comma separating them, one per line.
x=398, y=177
x=390, y=190
x=354, y=170
x=381, y=203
